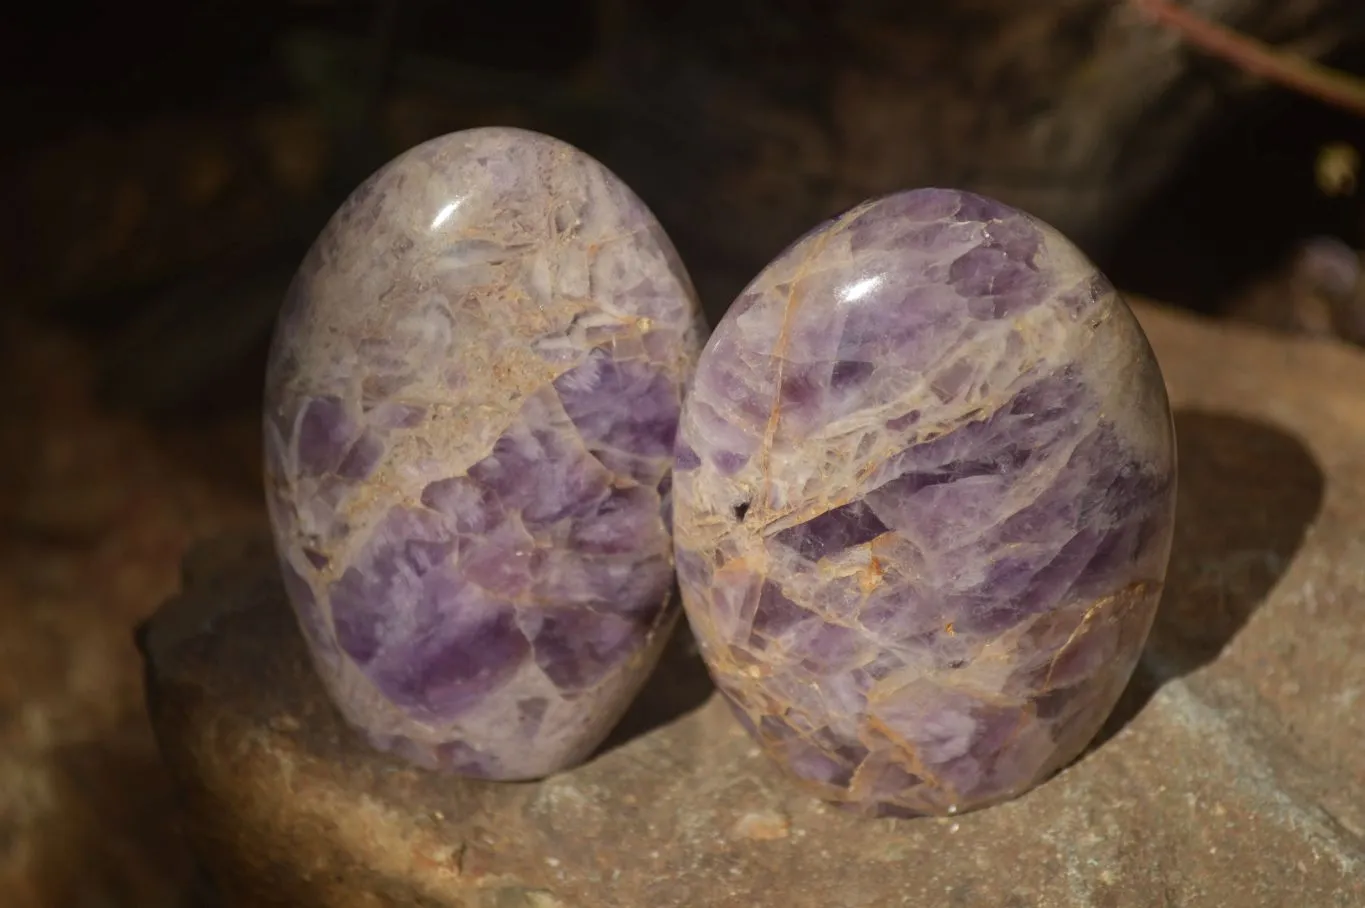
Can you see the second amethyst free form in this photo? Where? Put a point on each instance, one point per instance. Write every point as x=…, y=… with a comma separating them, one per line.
x=925, y=484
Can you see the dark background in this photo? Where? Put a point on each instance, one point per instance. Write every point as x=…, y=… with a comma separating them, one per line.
x=1236, y=200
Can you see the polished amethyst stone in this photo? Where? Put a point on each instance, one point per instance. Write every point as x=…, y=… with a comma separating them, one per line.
x=923, y=491
x=471, y=406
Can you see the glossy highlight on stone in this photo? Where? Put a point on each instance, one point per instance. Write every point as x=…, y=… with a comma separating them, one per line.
x=924, y=494
x=471, y=405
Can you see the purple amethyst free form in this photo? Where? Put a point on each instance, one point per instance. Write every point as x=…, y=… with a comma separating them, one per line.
x=924, y=491
x=471, y=406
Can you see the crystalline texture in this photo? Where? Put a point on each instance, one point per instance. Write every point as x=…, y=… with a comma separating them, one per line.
x=472, y=400
x=924, y=488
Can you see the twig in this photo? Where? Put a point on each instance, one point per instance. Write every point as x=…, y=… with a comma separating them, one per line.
x=1328, y=85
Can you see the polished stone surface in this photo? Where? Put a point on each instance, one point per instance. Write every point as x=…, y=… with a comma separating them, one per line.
x=471, y=405
x=924, y=495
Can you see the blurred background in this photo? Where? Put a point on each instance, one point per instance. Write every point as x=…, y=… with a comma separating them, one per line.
x=165, y=169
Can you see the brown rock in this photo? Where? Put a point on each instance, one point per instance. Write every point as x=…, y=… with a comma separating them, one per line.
x=1229, y=777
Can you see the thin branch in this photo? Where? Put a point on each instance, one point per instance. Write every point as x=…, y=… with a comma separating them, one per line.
x=1259, y=59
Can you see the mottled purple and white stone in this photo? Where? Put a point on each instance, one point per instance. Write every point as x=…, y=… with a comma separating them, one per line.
x=471, y=405
x=924, y=491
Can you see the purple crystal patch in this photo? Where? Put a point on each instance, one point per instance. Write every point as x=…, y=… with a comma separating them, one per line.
x=923, y=503
x=472, y=401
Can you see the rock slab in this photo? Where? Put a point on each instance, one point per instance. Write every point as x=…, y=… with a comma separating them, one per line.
x=1229, y=776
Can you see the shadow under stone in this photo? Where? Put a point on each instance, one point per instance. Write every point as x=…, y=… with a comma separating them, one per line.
x=678, y=685
x=1247, y=494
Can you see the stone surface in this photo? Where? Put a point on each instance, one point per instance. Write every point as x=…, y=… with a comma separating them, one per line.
x=924, y=493
x=470, y=409
x=1229, y=776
